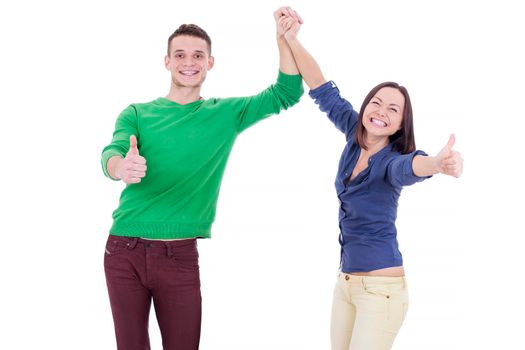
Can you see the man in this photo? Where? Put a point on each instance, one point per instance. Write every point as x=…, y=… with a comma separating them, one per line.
x=172, y=153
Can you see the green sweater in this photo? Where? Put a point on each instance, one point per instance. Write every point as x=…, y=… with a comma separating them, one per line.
x=186, y=148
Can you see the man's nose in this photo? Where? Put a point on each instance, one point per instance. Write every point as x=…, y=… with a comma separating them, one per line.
x=188, y=61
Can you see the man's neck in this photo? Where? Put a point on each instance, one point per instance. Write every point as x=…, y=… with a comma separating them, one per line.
x=184, y=95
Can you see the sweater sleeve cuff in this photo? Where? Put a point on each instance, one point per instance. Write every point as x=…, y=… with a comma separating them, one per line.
x=104, y=162
x=288, y=79
x=293, y=82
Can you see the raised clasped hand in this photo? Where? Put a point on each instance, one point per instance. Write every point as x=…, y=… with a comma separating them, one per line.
x=285, y=19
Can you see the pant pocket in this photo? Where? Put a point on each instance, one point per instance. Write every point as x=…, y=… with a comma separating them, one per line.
x=114, y=246
x=185, y=257
x=390, y=297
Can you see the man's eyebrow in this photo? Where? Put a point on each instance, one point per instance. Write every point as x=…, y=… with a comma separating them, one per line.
x=181, y=50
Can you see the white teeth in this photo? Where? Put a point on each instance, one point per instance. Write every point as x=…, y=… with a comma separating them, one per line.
x=378, y=122
x=188, y=72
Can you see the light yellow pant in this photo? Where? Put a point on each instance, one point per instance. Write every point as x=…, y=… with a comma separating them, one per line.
x=367, y=311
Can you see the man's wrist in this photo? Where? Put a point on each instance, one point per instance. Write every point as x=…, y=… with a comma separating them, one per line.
x=291, y=40
x=112, y=167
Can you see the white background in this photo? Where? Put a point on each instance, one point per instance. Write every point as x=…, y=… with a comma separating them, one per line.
x=67, y=70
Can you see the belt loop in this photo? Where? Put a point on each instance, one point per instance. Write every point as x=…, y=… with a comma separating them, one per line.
x=131, y=245
x=169, y=250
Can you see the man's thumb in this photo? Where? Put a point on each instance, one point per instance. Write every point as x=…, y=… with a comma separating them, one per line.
x=451, y=141
x=133, y=145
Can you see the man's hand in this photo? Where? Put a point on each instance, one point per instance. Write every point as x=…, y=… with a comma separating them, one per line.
x=132, y=168
x=284, y=19
x=291, y=28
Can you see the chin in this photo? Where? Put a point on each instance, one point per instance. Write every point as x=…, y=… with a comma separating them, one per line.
x=182, y=83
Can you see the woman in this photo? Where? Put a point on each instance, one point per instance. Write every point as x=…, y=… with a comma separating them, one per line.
x=370, y=298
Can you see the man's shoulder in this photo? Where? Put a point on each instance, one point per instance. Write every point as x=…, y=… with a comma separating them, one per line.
x=223, y=102
x=139, y=105
x=157, y=101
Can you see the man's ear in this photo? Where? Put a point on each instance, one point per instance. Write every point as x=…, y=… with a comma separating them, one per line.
x=211, y=62
x=166, y=62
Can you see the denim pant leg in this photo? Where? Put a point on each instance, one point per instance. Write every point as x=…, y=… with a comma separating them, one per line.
x=177, y=295
x=130, y=299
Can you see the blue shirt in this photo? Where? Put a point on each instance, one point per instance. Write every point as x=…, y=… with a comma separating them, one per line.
x=368, y=209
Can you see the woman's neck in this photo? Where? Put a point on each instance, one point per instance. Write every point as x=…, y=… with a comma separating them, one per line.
x=375, y=144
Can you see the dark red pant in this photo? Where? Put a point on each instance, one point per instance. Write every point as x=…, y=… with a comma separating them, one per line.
x=167, y=272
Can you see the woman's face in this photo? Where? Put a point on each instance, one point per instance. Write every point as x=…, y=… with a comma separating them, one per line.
x=383, y=115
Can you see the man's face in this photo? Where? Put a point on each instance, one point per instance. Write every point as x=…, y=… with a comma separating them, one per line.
x=188, y=61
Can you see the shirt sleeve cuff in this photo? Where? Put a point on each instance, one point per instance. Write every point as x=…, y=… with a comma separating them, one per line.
x=318, y=91
x=409, y=169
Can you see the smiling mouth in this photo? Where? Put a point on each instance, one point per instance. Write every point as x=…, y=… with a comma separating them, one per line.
x=378, y=122
x=188, y=73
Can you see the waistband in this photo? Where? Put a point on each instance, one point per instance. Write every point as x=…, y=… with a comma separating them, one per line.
x=133, y=242
x=161, y=230
x=349, y=278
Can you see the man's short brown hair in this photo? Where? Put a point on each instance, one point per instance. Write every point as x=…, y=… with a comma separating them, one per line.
x=190, y=30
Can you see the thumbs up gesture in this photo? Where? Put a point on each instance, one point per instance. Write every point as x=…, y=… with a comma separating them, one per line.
x=132, y=168
x=448, y=161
